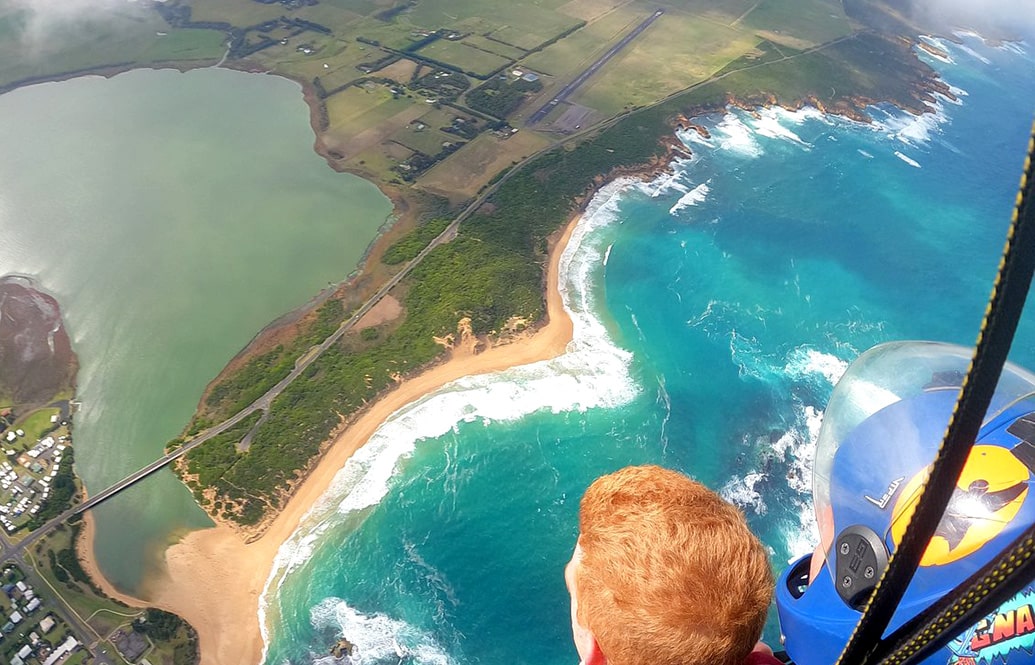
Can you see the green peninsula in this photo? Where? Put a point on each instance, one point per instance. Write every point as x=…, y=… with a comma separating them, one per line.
x=468, y=109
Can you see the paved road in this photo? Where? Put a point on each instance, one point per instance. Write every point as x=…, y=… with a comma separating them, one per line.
x=591, y=70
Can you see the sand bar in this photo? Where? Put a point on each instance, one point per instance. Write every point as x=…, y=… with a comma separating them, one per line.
x=214, y=580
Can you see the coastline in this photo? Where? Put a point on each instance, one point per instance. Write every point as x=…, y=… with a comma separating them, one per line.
x=214, y=580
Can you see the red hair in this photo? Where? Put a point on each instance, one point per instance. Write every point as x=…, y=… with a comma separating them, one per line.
x=670, y=574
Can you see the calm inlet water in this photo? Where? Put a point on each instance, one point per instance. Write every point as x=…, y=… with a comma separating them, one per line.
x=714, y=309
x=173, y=216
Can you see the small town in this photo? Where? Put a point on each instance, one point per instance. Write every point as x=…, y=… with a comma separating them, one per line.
x=34, y=455
x=31, y=633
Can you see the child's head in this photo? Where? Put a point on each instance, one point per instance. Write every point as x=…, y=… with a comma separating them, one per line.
x=665, y=572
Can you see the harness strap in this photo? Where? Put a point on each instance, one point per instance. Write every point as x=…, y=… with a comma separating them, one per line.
x=993, y=344
x=984, y=591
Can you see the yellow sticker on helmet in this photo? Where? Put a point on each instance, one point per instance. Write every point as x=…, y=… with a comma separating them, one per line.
x=990, y=491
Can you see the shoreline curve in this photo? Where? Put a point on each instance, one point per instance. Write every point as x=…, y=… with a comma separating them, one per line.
x=215, y=581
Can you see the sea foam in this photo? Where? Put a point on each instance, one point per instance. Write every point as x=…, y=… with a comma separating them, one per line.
x=690, y=198
x=376, y=638
x=592, y=373
x=908, y=160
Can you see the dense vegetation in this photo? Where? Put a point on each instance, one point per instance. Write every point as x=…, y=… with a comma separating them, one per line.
x=500, y=98
x=410, y=245
x=162, y=626
x=65, y=566
x=493, y=270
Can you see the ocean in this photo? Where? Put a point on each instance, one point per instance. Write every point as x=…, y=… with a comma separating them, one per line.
x=714, y=309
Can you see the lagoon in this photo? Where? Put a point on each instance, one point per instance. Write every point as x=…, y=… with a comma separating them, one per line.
x=173, y=215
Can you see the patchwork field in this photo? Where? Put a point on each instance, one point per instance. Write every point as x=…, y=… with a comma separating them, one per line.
x=360, y=116
x=371, y=62
x=474, y=165
x=463, y=57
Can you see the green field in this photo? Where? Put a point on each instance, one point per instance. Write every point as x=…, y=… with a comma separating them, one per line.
x=30, y=48
x=676, y=51
x=500, y=49
x=35, y=424
x=463, y=57
x=569, y=56
x=802, y=23
x=429, y=141
x=534, y=23
x=362, y=107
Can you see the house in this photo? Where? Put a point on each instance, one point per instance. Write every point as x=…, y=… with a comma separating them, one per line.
x=25, y=651
x=33, y=605
x=47, y=624
x=67, y=646
x=531, y=77
x=16, y=618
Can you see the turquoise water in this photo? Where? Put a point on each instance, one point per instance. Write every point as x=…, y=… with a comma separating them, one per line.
x=714, y=309
x=173, y=216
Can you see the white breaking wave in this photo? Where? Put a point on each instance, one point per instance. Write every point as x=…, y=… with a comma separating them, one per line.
x=592, y=373
x=908, y=160
x=691, y=198
x=692, y=136
x=743, y=493
x=1014, y=47
x=805, y=360
x=733, y=135
x=974, y=54
x=377, y=639
x=908, y=128
x=665, y=182
x=864, y=153
x=768, y=124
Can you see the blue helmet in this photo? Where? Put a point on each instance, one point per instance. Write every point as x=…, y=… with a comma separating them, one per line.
x=881, y=430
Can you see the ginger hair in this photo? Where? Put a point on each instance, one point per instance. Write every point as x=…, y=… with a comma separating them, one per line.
x=669, y=574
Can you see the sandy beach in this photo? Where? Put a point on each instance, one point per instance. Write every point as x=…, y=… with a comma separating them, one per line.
x=214, y=580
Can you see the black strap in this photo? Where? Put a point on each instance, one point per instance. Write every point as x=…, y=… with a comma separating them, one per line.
x=993, y=344
x=981, y=594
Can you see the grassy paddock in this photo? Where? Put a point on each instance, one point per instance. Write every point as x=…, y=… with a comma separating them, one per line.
x=807, y=22
x=36, y=423
x=184, y=45
x=536, y=22
x=464, y=57
x=128, y=35
x=675, y=52
x=591, y=10
x=358, y=108
x=566, y=58
x=467, y=171
x=429, y=140
x=500, y=49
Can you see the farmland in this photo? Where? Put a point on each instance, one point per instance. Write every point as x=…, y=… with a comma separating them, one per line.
x=373, y=68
